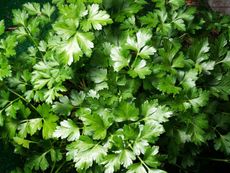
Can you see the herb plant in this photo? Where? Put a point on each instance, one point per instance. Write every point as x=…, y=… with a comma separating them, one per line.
x=94, y=86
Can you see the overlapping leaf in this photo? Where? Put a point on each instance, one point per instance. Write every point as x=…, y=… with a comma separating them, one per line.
x=68, y=129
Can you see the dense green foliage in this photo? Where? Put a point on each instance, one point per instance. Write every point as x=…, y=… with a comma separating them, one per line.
x=94, y=86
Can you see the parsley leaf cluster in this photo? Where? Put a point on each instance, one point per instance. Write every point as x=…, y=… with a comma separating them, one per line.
x=114, y=86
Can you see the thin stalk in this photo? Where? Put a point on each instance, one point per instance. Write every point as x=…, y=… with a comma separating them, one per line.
x=52, y=169
x=140, y=159
x=9, y=103
x=20, y=96
x=135, y=59
x=59, y=168
x=34, y=42
x=215, y=159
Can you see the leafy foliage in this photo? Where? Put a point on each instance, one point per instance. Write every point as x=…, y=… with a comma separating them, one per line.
x=114, y=86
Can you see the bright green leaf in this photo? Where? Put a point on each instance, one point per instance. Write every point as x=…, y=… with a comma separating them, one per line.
x=126, y=111
x=84, y=152
x=33, y=8
x=223, y=143
x=68, y=129
x=140, y=69
x=2, y=27
x=96, y=18
x=119, y=59
x=63, y=107
x=94, y=124
x=20, y=141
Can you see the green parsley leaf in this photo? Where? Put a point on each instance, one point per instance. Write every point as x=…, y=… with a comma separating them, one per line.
x=177, y=3
x=199, y=51
x=65, y=29
x=119, y=58
x=4, y=98
x=2, y=27
x=94, y=124
x=55, y=155
x=5, y=68
x=1, y=119
x=39, y=162
x=98, y=75
x=226, y=60
x=140, y=69
x=31, y=126
x=63, y=107
x=77, y=98
x=220, y=87
x=154, y=112
x=150, y=156
x=112, y=163
x=126, y=111
x=223, y=143
x=68, y=129
x=167, y=85
x=8, y=45
x=199, y=99
x=84, y=152
x=190, y=79
x=150, y=19
x=197, y=126
x=96, y=18
x=33, y=8
x=20, y=141
x=126, y=157
x=76, y=46
x=47, y=9
x=49, y=121
x=139, y=44
x=20, y=17
x=136, y=168
x=156, y=171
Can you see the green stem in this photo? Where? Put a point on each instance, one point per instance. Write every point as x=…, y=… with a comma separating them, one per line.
x=53, y=167
x=20, y=96
x=34, y=42
x=140, y=159
x=135, y=60
x=59, y=168
x=9, y=103
x=215, y=159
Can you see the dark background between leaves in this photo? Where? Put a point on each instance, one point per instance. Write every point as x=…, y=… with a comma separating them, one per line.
x=6, y=7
